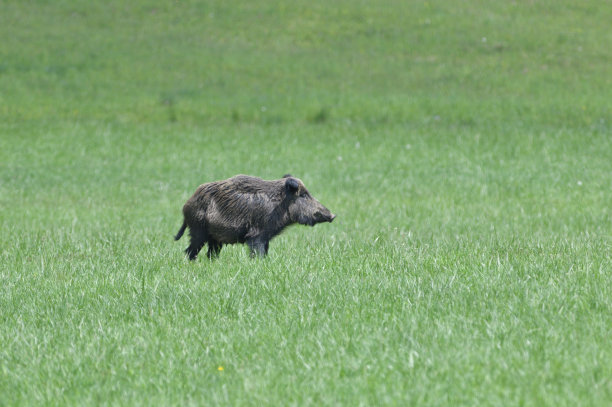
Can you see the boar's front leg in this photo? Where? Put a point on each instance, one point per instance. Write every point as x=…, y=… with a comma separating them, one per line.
x=258, y=246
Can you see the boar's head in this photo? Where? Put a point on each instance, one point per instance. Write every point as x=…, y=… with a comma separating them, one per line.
x=303, y=207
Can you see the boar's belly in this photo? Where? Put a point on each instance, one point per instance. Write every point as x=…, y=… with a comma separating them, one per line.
x=227, y=233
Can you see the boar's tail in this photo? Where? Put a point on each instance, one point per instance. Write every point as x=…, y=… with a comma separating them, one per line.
x=181, y=231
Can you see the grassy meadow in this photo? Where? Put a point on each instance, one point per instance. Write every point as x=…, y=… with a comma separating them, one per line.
x=466, y=148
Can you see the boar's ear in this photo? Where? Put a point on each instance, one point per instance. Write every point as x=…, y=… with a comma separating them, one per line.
x=287, y=176
x=292, y=185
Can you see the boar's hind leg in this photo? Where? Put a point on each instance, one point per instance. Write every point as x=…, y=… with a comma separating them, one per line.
x=258, y=247
x=214, y=248
x=198, y=238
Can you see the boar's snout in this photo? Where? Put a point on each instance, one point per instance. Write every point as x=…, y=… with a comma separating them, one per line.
x=324, y=215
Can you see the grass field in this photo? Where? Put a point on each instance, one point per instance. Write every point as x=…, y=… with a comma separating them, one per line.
x=466, y=148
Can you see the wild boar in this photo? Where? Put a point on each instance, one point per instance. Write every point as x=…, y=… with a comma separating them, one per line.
x=245, y=209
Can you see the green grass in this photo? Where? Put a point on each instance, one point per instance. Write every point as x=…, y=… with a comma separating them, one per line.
x=466, y=148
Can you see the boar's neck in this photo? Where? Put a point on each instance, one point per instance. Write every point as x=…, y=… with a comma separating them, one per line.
x=277, y=220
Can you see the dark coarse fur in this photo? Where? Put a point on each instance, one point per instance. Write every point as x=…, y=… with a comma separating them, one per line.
x=245, y=209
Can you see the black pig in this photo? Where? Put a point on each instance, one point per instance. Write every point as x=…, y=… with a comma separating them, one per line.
x=247, y=209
